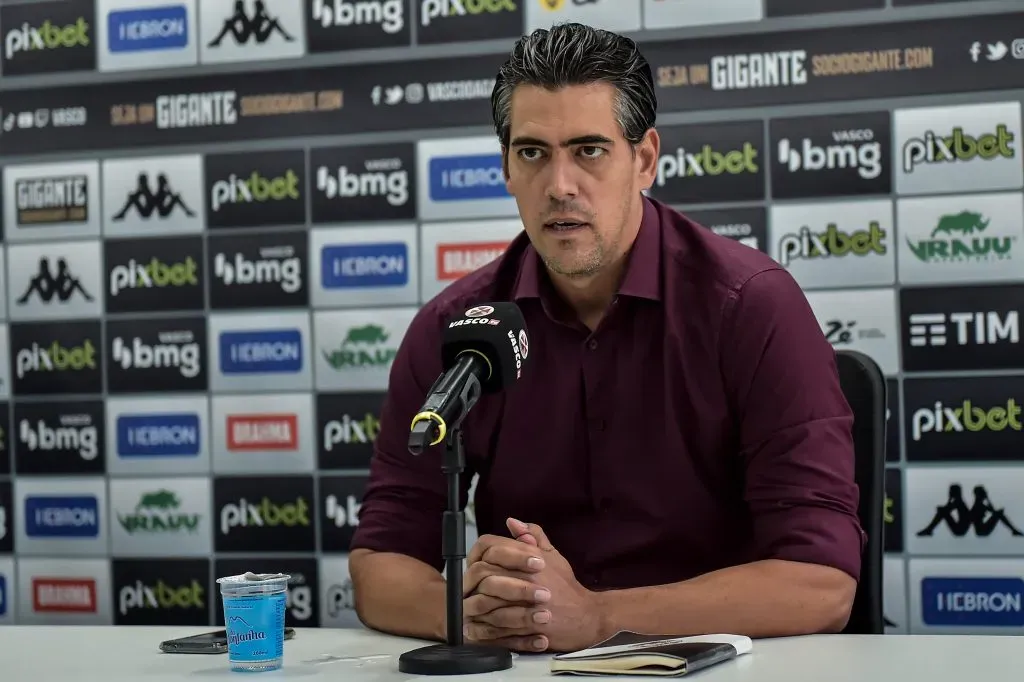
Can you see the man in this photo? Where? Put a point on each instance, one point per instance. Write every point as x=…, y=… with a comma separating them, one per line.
x=677, y=457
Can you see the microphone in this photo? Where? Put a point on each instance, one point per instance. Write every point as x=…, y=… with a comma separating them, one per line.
x=483, y=350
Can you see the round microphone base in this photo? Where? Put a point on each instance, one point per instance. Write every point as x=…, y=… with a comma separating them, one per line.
x=445, y=659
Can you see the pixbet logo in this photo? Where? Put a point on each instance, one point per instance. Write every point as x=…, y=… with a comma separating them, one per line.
x=238, y=190
x=853, y=149
x=155, y=273
x=390, y=14
x=160, y=596
x=966, y=417
x=707, y=161
x=442, y=9
x=174, y=350
x=383, y=178
x=276, y=265
x=958, y=146
x=981, y=328
x=47, y=36
x=833, y=242
x=350, y=431
x=340, y=598
x=342, y=515
x=76, y=433
x=56, y=358
x=246, y=514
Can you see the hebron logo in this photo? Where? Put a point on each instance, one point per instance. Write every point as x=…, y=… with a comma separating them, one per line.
x=457, y=260
x=160, y=596
x=56, y=516
x=973, y=602
x=390, y=14
x=347, y=515
x=158, y=435
x=148, y=29
x=175, y=350
x=966, y=417
x=64, y=595
x=462, y=178
x=48, y=36
x=349, y=431
x=246, y=432
x=56, y=358
x=76, y=432
x=276, y=265
x=383, y=178
x=360, y=266
x=266, y=351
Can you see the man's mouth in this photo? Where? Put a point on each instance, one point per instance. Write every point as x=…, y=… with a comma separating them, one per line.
x=564, y=225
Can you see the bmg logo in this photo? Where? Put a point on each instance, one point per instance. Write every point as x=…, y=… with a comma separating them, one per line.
x=175, y=350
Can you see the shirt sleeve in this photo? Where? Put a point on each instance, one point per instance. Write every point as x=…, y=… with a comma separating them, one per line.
x=406, y=494
x=795, y=426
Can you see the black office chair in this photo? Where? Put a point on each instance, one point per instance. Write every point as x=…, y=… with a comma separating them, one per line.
x=864, y=387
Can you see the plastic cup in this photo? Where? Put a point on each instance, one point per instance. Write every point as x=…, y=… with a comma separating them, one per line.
x=254, y=606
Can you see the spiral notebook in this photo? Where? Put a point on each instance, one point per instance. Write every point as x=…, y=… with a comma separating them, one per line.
x=631, y=653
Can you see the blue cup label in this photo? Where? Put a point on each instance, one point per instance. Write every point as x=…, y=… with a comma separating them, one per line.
x=255, y=627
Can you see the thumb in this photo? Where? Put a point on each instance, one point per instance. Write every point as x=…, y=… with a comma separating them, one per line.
x=523, y=531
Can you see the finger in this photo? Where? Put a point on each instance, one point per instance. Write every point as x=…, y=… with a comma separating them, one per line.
x=477, y=605
x=482, y=544
x=513, y=589
x=528, y=539
x=514, y=557
x=476, y=573
x=515, y=617
x=518, y=529
x=524, y=643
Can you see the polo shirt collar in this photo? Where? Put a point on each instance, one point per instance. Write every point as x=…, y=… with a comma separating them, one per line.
x=643, y=270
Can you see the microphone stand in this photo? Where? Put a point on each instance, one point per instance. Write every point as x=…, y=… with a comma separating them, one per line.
x=454, y=657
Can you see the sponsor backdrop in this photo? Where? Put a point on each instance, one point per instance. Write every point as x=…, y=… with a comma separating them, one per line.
x=207, y=271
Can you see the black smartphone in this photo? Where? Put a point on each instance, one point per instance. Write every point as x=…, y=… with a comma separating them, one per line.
x=206, y=643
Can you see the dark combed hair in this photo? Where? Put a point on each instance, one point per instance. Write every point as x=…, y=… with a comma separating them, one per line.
x=575, y=54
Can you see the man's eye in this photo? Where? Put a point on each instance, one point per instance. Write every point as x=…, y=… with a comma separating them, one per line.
x=592, y=152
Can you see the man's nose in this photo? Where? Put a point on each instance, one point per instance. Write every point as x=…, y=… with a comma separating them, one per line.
x=562, y=181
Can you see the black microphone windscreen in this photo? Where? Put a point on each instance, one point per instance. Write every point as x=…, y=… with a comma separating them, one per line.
x=497, y=331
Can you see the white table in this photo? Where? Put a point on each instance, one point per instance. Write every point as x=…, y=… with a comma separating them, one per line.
x=130, y=654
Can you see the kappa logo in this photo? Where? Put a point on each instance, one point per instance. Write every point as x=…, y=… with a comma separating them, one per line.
x=255, y=188
x=276, y=265
x=46, y=36
x=256, y=25
x=46, y=285
x=445, y=9
x=959, y=146
x=76, y=433
x=707, y=162
x=146, y=202
x=45, y=201
x=174, y=350
x=382, y=178
x=390, y=14
x=983, y=517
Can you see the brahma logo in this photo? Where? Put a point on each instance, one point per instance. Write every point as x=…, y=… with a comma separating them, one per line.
x=261, y=351
x=248, y=432
x=64, y=595
x=49, y=516
x=457, y=260
x=158, y=435
x=469, y=177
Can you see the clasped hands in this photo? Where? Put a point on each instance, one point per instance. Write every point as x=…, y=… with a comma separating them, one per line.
x=520, y=593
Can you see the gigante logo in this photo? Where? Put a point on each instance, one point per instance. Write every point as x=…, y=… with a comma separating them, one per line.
x=52, y=200
x=238, y=190
x=708, y=161
x=158, y=512
x=833, y=242
x=47, y=36
x=954, y=240
x=966, y=417
x=957, y=146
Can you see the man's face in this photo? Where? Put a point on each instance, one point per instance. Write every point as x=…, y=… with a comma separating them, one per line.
x=576, y=179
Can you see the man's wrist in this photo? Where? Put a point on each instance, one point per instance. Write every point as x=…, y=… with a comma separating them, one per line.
x=603, y=605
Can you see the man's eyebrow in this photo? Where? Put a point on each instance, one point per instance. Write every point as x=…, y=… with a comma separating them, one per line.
x=523, y=141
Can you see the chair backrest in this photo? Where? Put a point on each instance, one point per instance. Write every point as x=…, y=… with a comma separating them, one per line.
x=863, y=385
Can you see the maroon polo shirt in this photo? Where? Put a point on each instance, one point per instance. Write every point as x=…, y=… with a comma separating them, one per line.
x=701, y=426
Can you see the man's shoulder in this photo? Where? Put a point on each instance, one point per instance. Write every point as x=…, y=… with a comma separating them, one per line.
x=717, y=265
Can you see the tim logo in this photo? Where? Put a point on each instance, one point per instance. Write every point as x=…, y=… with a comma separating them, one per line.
x=149, y=29
x=49, y=284
x=251, y=22
x=158, y=435
x=62, y=516
x=64, y=595
x=462, y=178
x=261, y=352
x=359, y=266
x=982, y=517
x=262, y=432
x=973, y=602
x=962, y=329
x=146, y=203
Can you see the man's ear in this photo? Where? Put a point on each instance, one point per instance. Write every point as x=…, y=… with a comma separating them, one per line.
x=648, y=151
x=504, y=168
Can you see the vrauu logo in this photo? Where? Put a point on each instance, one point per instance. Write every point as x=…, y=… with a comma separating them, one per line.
x=359, y=266
x=246, y=432
x=53, y=516
x=64, y=595
x=158, y=435
x=174, y=350
x=160, y=596
x=147, y=29
x=158, y=511
x=462, y=178
x=277, y=351
x=973, y=602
